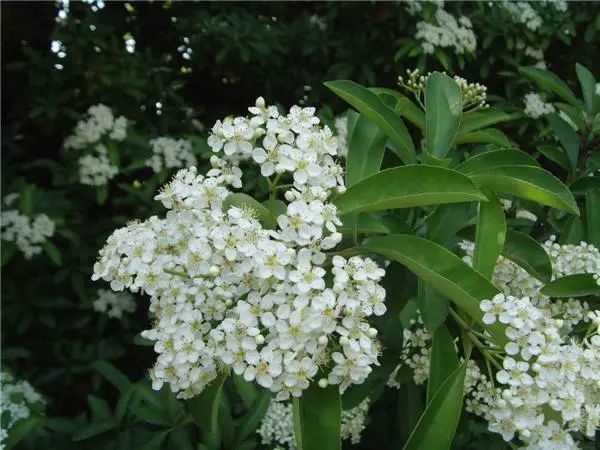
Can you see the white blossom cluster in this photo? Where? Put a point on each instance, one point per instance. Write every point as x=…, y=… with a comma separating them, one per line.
x=114, y=304
x=549, y=382
x=447, y=33
x=415, y=353
x=535, y=107
x=27, y=233
x=277, y=427
x=514, y=281
x=17, y=400
x=98, y=123
x=227, y=292
x=95, y=168
x=341, y=131
x=523, y=12
x=171, y=153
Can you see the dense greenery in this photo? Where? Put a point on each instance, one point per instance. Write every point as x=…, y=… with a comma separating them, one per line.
x=193, y=63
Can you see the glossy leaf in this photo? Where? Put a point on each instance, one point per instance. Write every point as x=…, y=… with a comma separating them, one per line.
x=373, y=107
x=433, y=306
x=408, y=186
x=568, y=139
x=473, y=121
x=483, y=136
x=578, y=285
x=442, y=360
x=112, y=374
x=490, y=234
x=527, y=253
x=251, y=421
x=572, y=231
x=317, y=418
x=437, y=425
x=495, y=158
x=204, y=409
x=588, y=87
x=362, y=223
x=550, y=82
x=407, y=109
x=556, y=154
x=531, y=183
x=592, y=208
x=365, y=151
x=443, y=109
x=442, y=270
x=53, y=252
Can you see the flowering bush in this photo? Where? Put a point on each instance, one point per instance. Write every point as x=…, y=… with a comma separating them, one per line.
x=418, y=271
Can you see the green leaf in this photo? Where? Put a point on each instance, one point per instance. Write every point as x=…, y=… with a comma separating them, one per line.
x=276, y=208
x=442, y=270
x=317, y=418
x=527, y=253
x=588, y=88
x=437, y=425
x=27, y=200
x=372, y=107
x=443, y=109
x=53, y=252
x=246, y=389
x=572, y=231
x=531, y=183
x=252, y=419
x=447, y=220
x=475, y=120
x=21, y=429
x=95, y=429
x=363, y=223
x=442, y=361
x=408, y=186
x=557, y=155
x=407, y=109
x=573, y=113
x=432, y=305
x=365, y=151
x=204, y=409
x=592, y=208
x=568, y=139
x=550, y=82
x=112, y=374
x=578, y=285
x=495, y=158
x=101, y=194
x=489, y=235
x=483, y=136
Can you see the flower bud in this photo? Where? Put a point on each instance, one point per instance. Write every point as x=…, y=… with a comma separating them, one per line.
x=323, y=383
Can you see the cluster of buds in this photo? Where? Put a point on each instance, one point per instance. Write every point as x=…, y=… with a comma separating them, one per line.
x=473, y=94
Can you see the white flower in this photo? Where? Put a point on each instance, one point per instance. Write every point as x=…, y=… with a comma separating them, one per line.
x=447, y=33
x=113, y=304
x=170, y=153
x=535, y=107
x=28, y=234
x=228, y=293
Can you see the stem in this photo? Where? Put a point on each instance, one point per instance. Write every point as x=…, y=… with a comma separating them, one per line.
x=176, y=273
x=475, y=340
x=297, y=413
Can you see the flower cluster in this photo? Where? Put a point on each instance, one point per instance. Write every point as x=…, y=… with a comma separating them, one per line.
x=113, y=304
x=535, y=107
x=566, y=260
x=27, y=233
x=415, y=353
x=95, y=169
x=171, y=153
x=447, y=33
x=549, y=383
x=227, y=292
x=89, y=136
x=523, y=12
x=98, y=123
x=474, y=95
x=18, y=400
x=277, y=427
